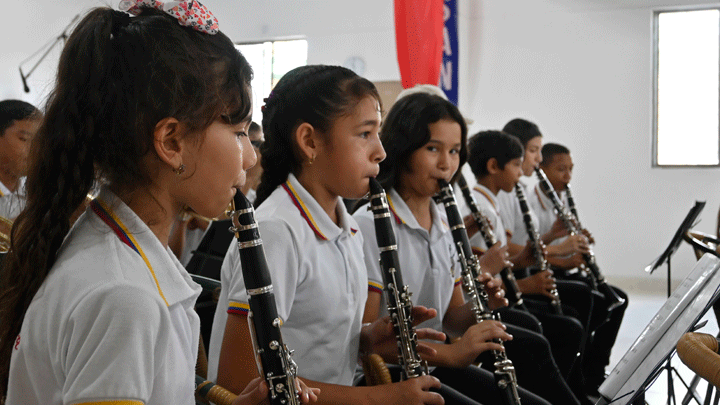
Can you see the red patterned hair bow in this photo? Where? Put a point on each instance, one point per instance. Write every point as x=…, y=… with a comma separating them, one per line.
x=188, y=13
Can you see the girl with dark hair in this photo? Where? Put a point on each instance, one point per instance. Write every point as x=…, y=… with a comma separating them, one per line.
x=425, y=138
x=321, y=128
x=155, y=108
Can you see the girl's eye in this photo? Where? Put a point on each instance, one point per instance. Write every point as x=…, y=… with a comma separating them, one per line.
x=241, y=134
x=454, y=151
x=432, y=148
x=365, y=135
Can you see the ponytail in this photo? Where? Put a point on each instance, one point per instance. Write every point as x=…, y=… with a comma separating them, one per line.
x=117, y=77
x=315, y=94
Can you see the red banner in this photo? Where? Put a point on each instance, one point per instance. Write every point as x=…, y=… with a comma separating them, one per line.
x=419, y=38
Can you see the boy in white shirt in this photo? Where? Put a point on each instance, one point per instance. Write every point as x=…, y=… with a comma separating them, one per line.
x=558, y=165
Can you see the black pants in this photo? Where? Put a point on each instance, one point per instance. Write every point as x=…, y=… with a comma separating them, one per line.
x=469, y=386
x=604, y=326
x=479, y=384
x=597, y=356
x=532, y=357
x=565, y=333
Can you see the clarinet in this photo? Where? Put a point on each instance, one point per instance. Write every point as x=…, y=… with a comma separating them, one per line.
x=596, y=278
x=272, y=356
x=571, y=206
x=537, y=245
x=514, y=295
x=470, y=270
x=397, y=295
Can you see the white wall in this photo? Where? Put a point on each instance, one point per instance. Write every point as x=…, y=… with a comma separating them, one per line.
x=581, y=69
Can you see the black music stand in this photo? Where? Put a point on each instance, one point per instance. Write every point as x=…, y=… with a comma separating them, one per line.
x=685, y=226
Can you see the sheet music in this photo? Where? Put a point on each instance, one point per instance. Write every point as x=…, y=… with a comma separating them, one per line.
x=680, y=312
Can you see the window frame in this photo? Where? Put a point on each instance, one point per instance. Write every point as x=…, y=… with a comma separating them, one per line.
x=655, y=71
x=238, y=44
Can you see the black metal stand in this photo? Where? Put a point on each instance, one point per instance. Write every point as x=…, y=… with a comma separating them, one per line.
x=47, y=48
x=668, y=368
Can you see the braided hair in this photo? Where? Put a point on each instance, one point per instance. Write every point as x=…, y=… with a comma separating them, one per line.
x=315, y=94
x=117, y=78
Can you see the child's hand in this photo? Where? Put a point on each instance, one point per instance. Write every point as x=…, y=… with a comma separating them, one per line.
x=254, y=393
x=379, y=336
x=588, y=235
x=306, y=393
x=541, y=283
x=415, y=391
x=495, y=292
x=477, y=339
x=471, y=227
x=495, y=259
x=524, y=258
x=558, y=230
x=573, y=244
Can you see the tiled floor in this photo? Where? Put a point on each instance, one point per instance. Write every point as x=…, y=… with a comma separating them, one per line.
x=641, y=309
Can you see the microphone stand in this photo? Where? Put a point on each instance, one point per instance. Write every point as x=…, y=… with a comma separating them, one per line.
x=50, y=45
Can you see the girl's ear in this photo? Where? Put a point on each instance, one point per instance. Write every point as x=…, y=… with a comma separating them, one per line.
x=492, y=166
x=306, y=138
x=168, y=142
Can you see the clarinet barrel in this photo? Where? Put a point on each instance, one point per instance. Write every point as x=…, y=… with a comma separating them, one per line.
x=273, y=358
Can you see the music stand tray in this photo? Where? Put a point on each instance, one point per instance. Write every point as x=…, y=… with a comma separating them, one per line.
x=647, y=355
x=685, y=226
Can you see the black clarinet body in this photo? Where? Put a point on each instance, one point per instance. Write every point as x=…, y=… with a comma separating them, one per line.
x=397, y=294
x=470, y=270
x=513, y=295
x=571, y=206
x=596, y=278
x=273, y=358
x=536, y=243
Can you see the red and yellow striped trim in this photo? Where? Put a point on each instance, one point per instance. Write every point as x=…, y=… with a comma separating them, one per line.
x=108, y=216
x=239, y=308
x=458, y=281
x=375, y=287
x=303, y=209
x=487, y=196
x=392, y=209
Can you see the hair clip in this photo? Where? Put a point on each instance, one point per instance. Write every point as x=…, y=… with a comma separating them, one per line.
x=188, y=13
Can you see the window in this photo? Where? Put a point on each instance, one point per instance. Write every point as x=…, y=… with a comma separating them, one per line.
x=687, y=72
x=270, y=61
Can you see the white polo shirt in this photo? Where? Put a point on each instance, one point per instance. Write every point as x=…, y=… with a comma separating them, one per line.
x=12, y=203
x=545, y=211
x=511, y=213
x=108, y=325
x=543, y=208
x=428, y=261
x=319, y=280
x=488, y=206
